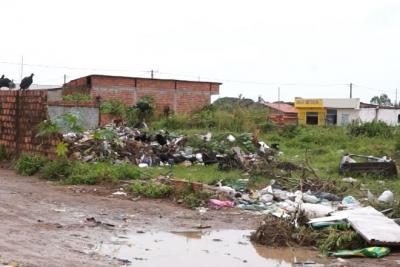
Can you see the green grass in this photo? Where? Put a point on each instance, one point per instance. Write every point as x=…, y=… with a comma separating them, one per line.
x=197, y=173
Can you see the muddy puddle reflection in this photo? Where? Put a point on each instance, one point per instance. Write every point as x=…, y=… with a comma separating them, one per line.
x=208, y=248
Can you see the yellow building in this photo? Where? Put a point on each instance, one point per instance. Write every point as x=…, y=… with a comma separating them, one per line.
x=310, y=111
x=327, y=111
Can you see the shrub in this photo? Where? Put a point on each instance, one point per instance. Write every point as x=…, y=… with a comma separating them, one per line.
x=151, y=190
x=80, y=179
x=191, y=198
x=57, y=170
x=290, y=130
x=29, y=164
x=125, y=171
x=267, y=126
x=114, y=107
x=335, y=238
x=89, y=173
x=77, y=97
x=370, y=129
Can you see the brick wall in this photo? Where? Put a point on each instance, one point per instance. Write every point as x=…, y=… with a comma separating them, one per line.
x=20, y=112
x=179, y=96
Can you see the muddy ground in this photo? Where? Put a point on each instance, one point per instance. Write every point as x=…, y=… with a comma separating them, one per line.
x=43, y=224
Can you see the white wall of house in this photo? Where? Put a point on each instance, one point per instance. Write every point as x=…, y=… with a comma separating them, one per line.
x=388, y=115
x=346, y=116
x=367, y=114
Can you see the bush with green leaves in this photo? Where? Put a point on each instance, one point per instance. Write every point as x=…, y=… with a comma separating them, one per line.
x=114, y=107
x=125, y=172
x=340, y=237
x=29, y=164
x=151, y=190
x=190, y=197
x=370, y=129
x=57, y=170
x=67, y=122
x=290, y=130
x=77, y=97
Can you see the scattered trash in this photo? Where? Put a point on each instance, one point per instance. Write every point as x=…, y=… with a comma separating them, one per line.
x=387, y=197
x=119, y=193
x=221, y=203
x=370, y=164
x=201, y=226
x=143, y=165
x=316, y=210
x=225, y=189
x=350, y=201
x=91, y=221
x=371, y=252
x=350, y=180
x=231, y=138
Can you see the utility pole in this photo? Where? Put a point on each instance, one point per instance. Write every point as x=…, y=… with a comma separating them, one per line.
x=395, y=102
x=65, y=78
x=279, y=94
x=152, y=74
x=22, y=67
x=351, y=90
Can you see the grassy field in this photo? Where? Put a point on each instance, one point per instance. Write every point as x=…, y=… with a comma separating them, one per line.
x=324, y=147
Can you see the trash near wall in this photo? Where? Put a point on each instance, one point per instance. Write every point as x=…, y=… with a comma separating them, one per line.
x=87, y=112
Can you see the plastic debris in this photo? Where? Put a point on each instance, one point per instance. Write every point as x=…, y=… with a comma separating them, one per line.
x=308, y=198
x=350, y=180
x=119, y=193
x=387, y=197
x=371, y=252
x=266, y=198
x=231, y=138
x=350, y=201
x=143, y=165
x=220, y=203
x=316, y=210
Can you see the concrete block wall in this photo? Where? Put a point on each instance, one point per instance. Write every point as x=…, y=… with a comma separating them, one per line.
x=87, y=112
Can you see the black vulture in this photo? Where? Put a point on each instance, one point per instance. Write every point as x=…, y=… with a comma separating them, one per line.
x=26, y=82
x=162, y=140
x=5, y=82
x=143, y=106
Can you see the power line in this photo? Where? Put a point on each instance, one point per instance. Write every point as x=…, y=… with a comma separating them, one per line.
x=264, y=83
x=62, y=67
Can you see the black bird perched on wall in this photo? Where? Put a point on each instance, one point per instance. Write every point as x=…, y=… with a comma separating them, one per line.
x=26, y=82
x=5, y=82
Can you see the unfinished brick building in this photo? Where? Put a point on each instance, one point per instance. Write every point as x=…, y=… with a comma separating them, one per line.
x=178, y=95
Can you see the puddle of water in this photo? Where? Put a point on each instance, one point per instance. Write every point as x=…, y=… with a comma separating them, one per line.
x=212, y=248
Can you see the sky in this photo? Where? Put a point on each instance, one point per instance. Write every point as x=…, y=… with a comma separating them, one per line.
x=308, y=48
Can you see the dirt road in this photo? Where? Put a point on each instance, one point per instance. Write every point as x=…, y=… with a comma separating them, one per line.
x=43, y=224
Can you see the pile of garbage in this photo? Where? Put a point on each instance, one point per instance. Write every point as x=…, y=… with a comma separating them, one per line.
x=131, y=145
x=299, y=217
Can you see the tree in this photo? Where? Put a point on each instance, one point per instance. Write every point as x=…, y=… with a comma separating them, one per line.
x=382, y=100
